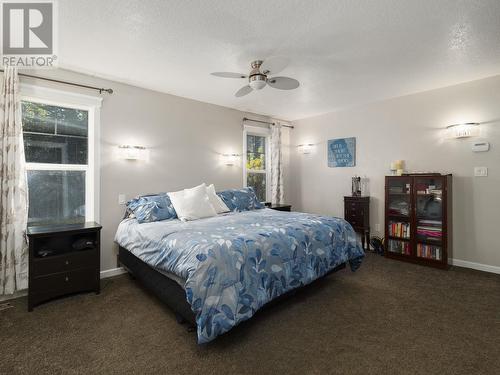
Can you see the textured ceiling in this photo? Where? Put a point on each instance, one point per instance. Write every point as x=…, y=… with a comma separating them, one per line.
x=344, y=52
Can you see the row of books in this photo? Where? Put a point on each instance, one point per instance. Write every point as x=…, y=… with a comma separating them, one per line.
x=428, y=251
x=430, y=230
x=399, y=247
x=428, y=189
x=398, y=229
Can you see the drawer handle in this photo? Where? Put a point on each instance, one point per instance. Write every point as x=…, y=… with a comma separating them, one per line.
x=66, y=279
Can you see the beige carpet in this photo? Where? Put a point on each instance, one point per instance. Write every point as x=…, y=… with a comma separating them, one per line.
x=387, y=318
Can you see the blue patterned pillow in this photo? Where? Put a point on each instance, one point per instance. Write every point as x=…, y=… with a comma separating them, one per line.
x=149, y=208
x=239, y=200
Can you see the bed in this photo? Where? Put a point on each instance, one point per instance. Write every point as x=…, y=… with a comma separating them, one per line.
x=219, y=271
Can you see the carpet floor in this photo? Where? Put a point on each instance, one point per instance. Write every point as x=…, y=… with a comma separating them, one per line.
x=387, y=318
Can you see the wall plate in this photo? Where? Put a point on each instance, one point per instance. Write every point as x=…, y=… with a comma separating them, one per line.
x=480, y=146
x=481, y=171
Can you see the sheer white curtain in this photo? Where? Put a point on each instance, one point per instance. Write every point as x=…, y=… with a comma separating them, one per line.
x=13, y=189
x=276, y=165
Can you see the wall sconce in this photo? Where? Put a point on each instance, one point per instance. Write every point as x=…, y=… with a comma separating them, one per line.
x=305, y=148
x=230, y=159
x=469, y=129
x=132, y=152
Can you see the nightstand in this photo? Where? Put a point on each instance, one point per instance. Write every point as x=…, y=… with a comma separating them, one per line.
x=63, y=259
x=280, y=207
x=357, y=213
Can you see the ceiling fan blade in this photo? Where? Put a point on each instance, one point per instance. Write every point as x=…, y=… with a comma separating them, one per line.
x=228, y=75
x=245, y=90
x=283, y=83
x=274, y=65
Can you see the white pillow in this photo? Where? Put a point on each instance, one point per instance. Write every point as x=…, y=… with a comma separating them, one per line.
x=192, y=204
x=216, y=201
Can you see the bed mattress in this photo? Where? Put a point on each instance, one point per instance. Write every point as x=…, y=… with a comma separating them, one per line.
x=231, y=265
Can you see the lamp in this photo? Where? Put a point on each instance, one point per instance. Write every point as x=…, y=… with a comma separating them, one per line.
x=230, y=159
x=397, y=167
x=469, y=129
x=305, y=148
x=132, y=152
x=257, y=81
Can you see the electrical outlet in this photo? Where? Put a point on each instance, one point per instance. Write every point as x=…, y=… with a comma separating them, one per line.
x=122, y=199
x=480, y=171
x=377, y=227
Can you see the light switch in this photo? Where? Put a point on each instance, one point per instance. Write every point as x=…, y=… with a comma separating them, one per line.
x=122, y=199
x=481, y=171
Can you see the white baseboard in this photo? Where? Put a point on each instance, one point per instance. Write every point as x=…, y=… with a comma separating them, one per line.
x=474, y=266
x=112, y=272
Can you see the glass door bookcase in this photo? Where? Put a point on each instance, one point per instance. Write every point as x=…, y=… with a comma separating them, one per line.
x=418, y=218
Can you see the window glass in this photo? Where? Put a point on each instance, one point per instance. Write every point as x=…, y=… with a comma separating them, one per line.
x=54, y=134
x=58, y=136
x=258, y=182
x=256, y=152
x=256, y=174
x=56, y=196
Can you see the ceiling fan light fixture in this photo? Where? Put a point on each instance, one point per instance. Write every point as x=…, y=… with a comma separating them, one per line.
x=258, y=76
x=257, y=81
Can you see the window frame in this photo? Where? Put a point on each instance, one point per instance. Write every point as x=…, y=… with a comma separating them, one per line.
x=92, y=105
x=262, y=132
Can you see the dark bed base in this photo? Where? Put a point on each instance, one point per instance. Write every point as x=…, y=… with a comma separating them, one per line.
x=167, y=290
x=171, y=293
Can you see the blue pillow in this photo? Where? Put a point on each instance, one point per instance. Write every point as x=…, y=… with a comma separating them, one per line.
x=149, y=208
x=239, y=200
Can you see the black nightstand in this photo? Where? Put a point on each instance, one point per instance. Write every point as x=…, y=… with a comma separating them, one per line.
x=357, y=213
x=280, y=207
x=63, y=259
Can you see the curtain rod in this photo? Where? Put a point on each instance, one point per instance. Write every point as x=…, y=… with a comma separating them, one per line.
x=100, y=89
x=266, y=122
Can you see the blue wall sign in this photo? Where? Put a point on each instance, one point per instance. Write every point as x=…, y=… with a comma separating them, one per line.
x=342, y=152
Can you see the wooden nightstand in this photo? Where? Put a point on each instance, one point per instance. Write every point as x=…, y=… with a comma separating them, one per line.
x=357, y=213
x=63, y=259
x=280, y=207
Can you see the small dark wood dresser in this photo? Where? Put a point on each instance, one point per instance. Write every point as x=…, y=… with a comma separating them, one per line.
x=63, y=259
x=357, y=213
x=281, y=207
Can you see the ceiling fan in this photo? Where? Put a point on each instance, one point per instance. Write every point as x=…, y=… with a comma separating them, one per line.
x=258, y=77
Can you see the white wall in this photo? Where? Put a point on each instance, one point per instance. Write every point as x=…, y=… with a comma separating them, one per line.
x=410, y=128
x=185, y=139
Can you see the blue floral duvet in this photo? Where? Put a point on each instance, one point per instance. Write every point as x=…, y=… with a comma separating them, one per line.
x=234, y=264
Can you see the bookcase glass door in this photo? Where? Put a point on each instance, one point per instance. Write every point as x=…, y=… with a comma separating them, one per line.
x=429, y=217
x=399, y=212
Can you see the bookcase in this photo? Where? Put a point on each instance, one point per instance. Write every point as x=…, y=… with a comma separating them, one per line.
x=418, y=218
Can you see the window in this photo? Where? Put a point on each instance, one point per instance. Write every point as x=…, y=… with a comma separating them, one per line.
x=59, y=147
x=256, y=166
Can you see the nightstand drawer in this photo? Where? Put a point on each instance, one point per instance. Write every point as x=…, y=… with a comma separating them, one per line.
x=66, y=282
x=349, y=212
x=355, y=206
x=66, y=262
x=355, y=222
